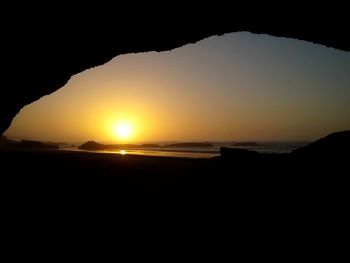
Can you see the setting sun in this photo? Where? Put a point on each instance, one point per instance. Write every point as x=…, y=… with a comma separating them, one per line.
x=123, y=130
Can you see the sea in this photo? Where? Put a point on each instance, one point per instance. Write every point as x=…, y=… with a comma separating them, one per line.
x=200, y=152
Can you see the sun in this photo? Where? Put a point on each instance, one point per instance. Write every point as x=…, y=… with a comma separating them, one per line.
x=122, y=130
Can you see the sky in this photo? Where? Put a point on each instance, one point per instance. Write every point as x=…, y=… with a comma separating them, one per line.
x=235, y=87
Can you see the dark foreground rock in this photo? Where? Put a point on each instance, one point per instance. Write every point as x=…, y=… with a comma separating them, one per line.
x=237, y=153
x=5, y=142
x=335, y=145
x=245, y=174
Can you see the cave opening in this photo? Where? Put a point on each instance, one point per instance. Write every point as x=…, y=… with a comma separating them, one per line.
x=235, y=87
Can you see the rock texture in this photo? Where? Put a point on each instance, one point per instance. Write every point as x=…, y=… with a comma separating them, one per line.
x=41, y=50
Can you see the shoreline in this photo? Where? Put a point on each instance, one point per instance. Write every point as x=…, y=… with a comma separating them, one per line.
x=317, y=166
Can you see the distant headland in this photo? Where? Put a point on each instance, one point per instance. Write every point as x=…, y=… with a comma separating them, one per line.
x=92, y=145
x=190, y=144
x=26, y=144
x=245, y=144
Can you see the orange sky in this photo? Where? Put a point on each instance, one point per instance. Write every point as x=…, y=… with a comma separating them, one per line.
x=235, y=87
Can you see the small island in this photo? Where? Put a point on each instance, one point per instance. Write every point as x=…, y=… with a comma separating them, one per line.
x=94, y=146
x=190, y=144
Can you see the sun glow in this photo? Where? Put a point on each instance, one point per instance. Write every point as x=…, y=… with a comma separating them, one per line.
x=123, y=130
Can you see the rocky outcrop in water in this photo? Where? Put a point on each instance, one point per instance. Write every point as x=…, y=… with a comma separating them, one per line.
x=190, y=145
x=91, y=145
x=94, y=146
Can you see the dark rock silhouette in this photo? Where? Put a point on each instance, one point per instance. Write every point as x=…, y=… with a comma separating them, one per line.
x=27, y=144
x=92, y=145
x=245, y=144
x=237, y=153
x=190, y=144
x=56, y=143
x=335, y=145
x=246, y=174
x=5, y=142
x=40, y=57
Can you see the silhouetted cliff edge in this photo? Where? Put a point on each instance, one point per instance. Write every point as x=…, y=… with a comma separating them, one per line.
x=332, y=146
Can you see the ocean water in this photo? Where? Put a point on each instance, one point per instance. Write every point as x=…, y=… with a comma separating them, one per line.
x=193, y=152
